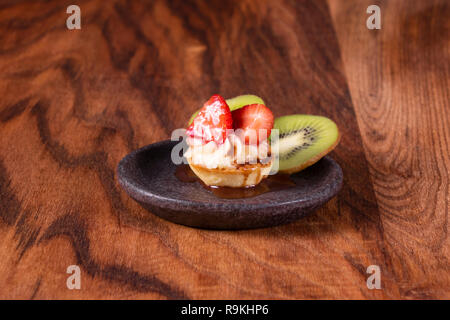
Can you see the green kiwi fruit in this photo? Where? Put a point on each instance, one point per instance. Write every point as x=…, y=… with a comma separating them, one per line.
x=236, y=103
x=303, y=140
x=244, y=100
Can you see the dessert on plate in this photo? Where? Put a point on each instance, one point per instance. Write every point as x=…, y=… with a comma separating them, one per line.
x=231, y=145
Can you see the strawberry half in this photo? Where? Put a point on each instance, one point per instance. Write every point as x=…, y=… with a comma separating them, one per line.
x=251, y=119
x=212, y=121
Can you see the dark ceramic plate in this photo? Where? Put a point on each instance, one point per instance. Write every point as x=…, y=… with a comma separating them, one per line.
x=148, y=176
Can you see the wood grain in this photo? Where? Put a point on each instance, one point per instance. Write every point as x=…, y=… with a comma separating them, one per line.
x=399, y=79
x=75, y=102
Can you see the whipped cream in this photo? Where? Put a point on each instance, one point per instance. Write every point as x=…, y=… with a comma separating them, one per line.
x=230, y=154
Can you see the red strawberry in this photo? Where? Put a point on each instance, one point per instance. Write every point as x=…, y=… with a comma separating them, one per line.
x=212, y=121
x=253, y=118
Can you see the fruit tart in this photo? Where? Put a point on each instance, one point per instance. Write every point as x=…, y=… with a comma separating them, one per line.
x=230, y=148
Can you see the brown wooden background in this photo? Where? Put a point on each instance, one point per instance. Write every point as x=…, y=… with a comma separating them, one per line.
x=73, y=103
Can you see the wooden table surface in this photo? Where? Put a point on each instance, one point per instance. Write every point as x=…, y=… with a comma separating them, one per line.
x=74, y=102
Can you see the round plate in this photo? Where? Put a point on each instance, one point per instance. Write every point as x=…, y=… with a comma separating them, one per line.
x=148, y=176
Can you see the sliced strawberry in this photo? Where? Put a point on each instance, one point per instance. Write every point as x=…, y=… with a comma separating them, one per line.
x=212, y=121
x=251, y=119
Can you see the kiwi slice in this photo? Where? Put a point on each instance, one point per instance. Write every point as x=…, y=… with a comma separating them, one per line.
x=236, y=103
x=303, y=140
x=244, y=100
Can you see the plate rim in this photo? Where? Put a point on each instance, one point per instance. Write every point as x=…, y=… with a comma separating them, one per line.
x=233, y=205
